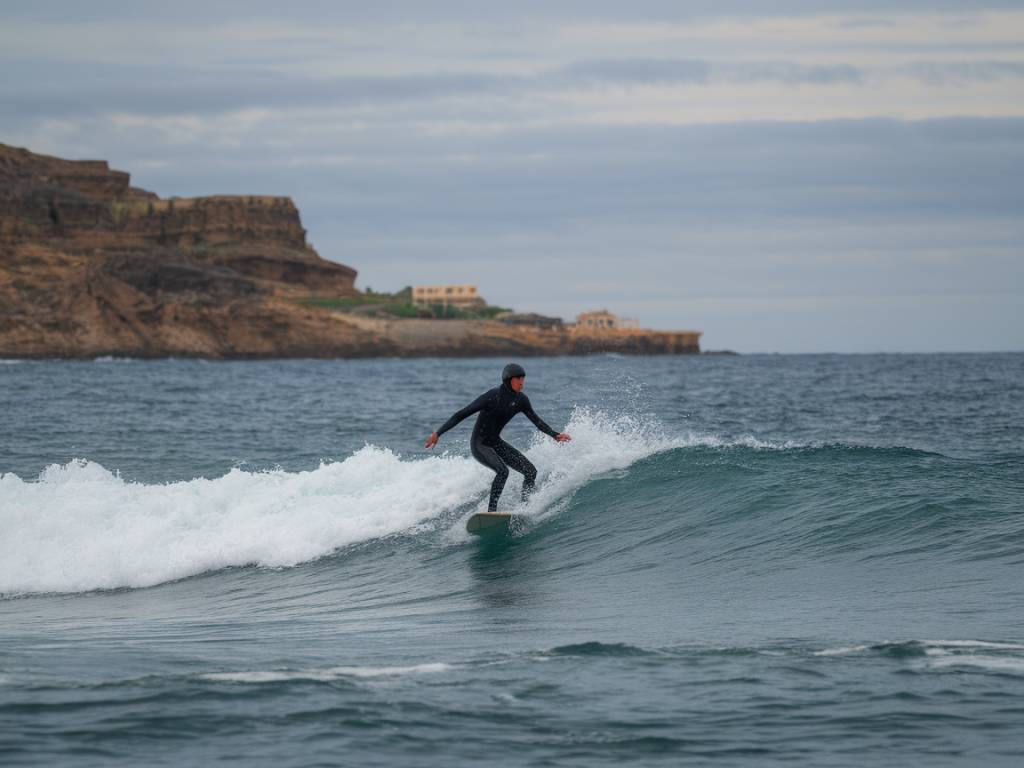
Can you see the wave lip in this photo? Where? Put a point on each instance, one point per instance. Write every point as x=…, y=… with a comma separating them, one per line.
x=323, y=675
x=705, y=440
x=988, y=663
x=989, y=656
x=845, y=650
x=996, y=656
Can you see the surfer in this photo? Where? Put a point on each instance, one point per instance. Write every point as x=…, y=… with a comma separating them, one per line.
x=496, y=408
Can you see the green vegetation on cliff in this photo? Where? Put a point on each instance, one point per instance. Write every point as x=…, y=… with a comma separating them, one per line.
x=398, y=305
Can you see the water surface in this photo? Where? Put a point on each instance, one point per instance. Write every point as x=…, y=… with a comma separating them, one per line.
x=738, y=561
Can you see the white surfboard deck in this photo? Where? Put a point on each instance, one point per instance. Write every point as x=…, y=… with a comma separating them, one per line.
x=488, y=522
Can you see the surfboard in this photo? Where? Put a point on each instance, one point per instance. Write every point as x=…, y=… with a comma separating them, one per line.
x=488, y=522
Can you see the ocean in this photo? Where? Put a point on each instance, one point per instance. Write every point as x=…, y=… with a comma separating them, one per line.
x=738, y=561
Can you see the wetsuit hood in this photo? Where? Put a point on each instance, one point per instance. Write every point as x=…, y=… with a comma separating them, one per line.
x=511, y=371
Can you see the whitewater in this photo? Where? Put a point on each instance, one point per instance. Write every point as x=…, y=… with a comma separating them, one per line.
x=737, y=561
x=79, y=526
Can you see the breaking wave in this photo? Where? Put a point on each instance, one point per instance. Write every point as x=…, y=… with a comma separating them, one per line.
x=80, y=527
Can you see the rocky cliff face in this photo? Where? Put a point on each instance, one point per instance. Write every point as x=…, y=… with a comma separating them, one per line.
x=90, y=265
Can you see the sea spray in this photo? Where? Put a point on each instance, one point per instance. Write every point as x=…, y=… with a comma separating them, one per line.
x=601, y=443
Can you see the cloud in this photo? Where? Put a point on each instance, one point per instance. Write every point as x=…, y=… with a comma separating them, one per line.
x=581, y=68
x=398, y=11
x=46, y=89
x=640, y=70
x=964, y=72
x=654, y=71
x=41, y=89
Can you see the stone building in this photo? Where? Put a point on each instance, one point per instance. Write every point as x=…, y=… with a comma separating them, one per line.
x=602, y=319
x=461, y=296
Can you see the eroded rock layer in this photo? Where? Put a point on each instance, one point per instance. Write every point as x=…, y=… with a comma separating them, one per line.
x=90, y=265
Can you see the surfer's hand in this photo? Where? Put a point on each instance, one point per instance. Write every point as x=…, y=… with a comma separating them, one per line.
x=563, y=437
x=431, y=441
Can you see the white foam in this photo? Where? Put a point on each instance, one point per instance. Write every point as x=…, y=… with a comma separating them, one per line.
x=996, y=656
x=81, y=527
x=704, y=440
x=996, y=663
x=931, y=647
x=974, y=644
x=324, y=675
x=601, y=443
x=842, y=651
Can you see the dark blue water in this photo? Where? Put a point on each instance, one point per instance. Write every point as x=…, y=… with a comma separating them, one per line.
x=758, y=560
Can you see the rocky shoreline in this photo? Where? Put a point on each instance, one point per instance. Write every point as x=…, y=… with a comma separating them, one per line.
x=93, y=267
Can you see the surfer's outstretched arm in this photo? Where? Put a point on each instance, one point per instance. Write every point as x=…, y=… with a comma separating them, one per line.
x=456, y=417
x=542, y=425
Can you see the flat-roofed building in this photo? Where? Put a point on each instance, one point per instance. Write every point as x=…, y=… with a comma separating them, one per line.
x=462, y=296
x=602, y=319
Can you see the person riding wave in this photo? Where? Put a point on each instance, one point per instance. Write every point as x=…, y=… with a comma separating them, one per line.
x=496, y=408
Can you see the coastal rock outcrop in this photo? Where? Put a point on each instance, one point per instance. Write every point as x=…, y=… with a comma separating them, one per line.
x=91, y=266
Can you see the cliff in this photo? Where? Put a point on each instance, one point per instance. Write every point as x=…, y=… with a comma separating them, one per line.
x=91, y=266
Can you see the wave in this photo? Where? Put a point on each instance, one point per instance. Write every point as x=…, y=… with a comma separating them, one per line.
x=323, y=675
x=594, y=648
x=81, y=527
x=919, y=656
x=938, y=655
x=828, y=500
x=711, y=499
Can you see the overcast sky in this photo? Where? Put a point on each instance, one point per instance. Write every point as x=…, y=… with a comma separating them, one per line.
x=793, y=176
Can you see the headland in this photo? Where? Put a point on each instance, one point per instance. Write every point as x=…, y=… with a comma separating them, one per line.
x=91, y=266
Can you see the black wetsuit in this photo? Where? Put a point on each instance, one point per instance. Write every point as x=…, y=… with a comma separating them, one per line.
x=496, y=408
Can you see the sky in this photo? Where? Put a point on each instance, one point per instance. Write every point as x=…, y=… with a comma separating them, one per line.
x=794, y=176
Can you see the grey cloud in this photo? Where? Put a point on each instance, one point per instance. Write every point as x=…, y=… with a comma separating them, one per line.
x=35, y=89
x=866, y=23
x=699, y=71
x=48, y=89
x=942, y=72
x=640, y=70
x=78, y=88
x=787, y=72
x=468, y=11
